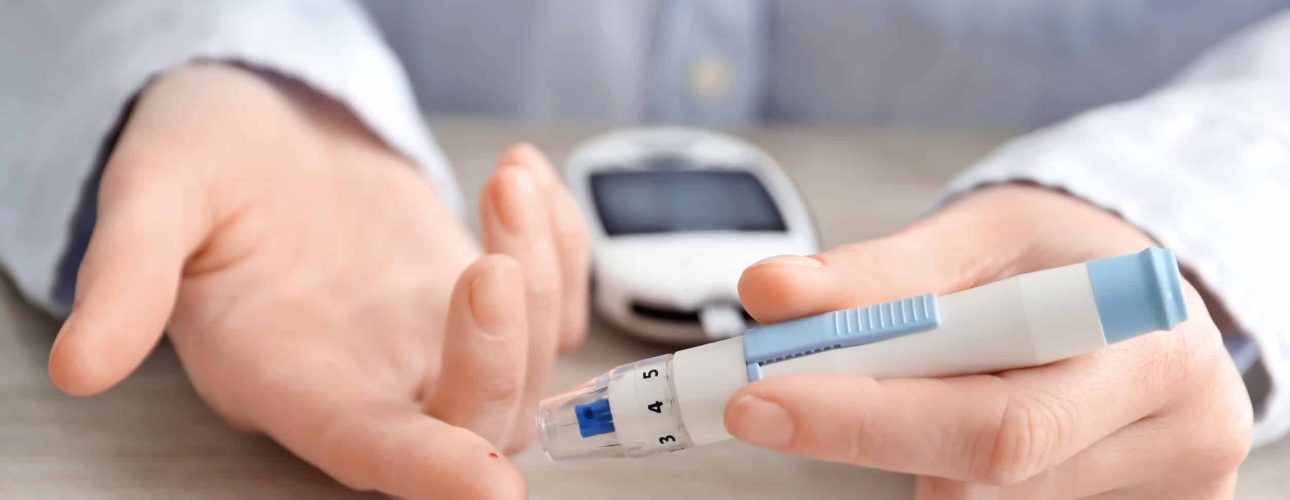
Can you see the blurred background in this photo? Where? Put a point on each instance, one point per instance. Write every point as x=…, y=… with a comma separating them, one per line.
x=870, y=106
x=944, y=63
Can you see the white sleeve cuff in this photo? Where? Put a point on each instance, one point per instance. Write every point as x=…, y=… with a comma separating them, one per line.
x=1206, y=171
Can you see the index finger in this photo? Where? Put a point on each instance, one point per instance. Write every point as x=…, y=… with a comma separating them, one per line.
x=569, y=232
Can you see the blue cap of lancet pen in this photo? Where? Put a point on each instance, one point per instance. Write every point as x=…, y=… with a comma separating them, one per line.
x=1137, y=294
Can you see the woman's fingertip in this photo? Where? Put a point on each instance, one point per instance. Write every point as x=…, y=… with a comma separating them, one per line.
x=74, y=371
x=525, y=148
x=59, y=372
x=487, y=297
x=532, y=159
x=512, y=202
x=778, y=276
x=529, y=154
x=784, y=287
x=760, y=422
x=515, y=149
x=795, y=261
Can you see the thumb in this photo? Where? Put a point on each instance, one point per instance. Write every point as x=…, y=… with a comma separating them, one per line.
x=946, y=253
x=127, y=283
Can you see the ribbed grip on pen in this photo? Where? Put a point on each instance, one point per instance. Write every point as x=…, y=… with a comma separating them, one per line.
x=834, y=330
x=913, y=312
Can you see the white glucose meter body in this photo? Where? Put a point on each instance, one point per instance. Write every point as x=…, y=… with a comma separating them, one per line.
x=675, y=216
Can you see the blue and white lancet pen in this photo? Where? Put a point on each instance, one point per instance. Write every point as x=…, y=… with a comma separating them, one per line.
x=676, y=401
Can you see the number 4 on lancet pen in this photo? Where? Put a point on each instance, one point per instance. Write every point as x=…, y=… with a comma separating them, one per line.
x=672, y=402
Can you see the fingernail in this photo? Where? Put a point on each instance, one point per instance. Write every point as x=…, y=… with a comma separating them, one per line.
x=512, y=200
x=486, y=308
x=760, y=422
x=791, y=260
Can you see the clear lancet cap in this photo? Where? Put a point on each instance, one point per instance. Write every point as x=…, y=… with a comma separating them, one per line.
x=579, y=423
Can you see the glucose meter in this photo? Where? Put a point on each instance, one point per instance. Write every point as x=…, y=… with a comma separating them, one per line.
x=676, y=214
x=675, y=401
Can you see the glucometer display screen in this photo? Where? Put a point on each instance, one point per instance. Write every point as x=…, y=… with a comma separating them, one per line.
x=651, y=201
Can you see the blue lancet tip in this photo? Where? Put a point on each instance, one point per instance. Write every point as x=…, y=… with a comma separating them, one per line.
x=594, y=418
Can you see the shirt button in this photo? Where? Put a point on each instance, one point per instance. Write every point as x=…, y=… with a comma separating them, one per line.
x=709, y=78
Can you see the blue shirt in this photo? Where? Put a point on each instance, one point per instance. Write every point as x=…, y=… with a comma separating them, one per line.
x=991, y=63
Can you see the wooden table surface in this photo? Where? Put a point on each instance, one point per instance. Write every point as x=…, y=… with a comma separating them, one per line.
x=152, y=438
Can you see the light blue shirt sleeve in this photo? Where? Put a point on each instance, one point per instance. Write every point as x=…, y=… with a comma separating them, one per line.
x=1202, y=165
x=70, y=68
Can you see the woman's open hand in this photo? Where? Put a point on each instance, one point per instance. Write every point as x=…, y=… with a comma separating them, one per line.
x=317, y=289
